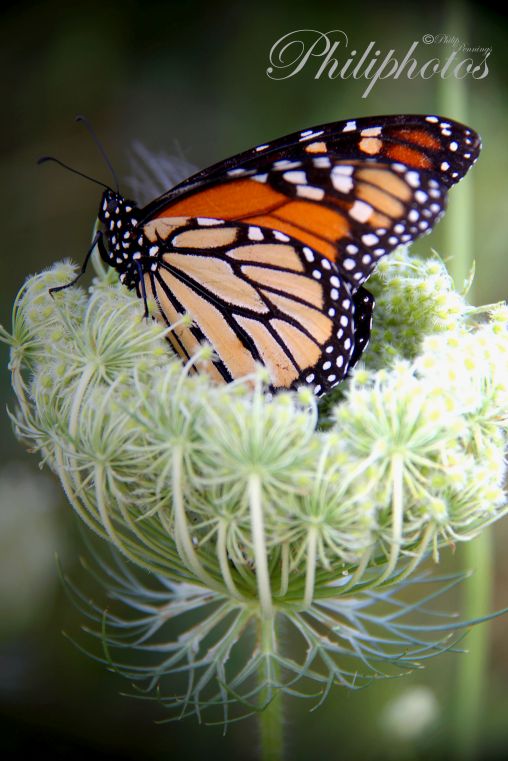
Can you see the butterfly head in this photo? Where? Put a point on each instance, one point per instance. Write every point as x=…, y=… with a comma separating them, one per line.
x=115, y=212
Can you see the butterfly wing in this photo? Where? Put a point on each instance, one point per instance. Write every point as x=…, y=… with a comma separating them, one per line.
x=256, y=298
x=352, y=191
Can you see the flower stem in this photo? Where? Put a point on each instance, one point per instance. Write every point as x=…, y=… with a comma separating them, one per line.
x=471, y=681
x=271, y=719
x=477, y=555
x=260, y=554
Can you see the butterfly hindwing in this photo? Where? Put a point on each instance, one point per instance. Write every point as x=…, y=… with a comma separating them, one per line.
x=257, y=296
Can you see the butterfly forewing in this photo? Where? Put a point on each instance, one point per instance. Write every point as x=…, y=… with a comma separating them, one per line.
x=352, y=190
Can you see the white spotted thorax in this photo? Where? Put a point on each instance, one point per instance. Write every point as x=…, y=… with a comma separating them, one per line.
x=125, y=245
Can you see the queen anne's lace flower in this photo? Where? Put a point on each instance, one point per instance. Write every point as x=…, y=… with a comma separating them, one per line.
x=251, y=509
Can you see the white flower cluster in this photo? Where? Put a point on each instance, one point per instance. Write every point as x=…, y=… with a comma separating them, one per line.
x=251, y=495
x=269, y=505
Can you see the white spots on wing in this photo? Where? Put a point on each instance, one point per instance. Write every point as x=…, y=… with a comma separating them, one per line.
x=360, y=211
x=209, y=222
x=413, y=179
x=339, y=361
x=153, y=250
x=286, y=164
x=398, y=228
x=316, y=274
x=334, y=280
x=349, y=264
x=309, y=134
x=366, y=259
x=421, y=196
x=308, y=254
x=322, y=162
x=432, y=119
x=262, y=147
x=309, y=191
x=341, y=178
x=255, y=233
x=280, y=236
x=296, y=178
x=260, y=177
x=370, y=239
x=350, y=127
x=351, y=248
x=445, y=166
x=413, y=215
x=236, y=172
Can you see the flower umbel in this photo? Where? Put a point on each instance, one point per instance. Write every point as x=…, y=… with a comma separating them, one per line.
x=251, y=509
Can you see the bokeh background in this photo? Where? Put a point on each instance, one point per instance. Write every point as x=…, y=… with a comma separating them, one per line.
x=189, y=78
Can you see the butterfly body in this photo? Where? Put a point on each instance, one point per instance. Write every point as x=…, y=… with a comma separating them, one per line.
x=268, y=251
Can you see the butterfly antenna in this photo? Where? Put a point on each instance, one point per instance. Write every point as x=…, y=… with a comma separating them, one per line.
x=44, y=159
x=83, y=120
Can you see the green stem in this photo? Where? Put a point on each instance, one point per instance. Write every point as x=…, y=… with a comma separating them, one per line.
x=471, y=682
x=271, y=719
x=476, y=555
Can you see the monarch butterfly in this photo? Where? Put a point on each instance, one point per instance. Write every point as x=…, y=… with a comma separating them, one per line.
x=268, y=250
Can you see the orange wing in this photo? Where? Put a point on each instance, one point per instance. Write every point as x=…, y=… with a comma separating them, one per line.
x=353, y=191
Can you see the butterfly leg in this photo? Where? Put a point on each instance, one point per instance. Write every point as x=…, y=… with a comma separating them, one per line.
x=96, y=241
x=364, y=306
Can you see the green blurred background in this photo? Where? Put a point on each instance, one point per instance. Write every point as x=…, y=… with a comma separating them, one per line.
x=189, y=78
